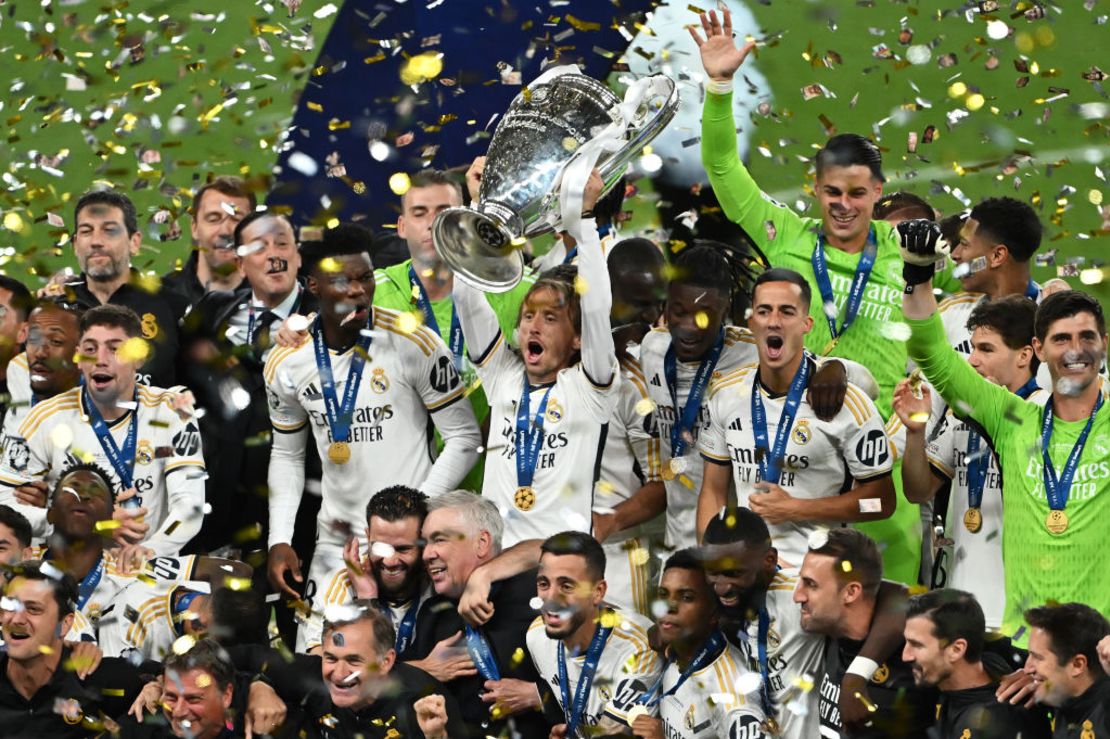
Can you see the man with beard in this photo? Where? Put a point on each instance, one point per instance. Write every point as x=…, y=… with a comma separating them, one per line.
x=217, y=208
x=1064, y=662
x=593, y=660
x=369, y=389
x=46, y=368
x=1057, y=500
x=793, y=468
x=106, y=238
x=945, y=644
x=837, y=590
x=758, y=614
x=391, y=574
x=136, y=431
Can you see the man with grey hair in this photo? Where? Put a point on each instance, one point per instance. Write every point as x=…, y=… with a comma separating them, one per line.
x=461, y=532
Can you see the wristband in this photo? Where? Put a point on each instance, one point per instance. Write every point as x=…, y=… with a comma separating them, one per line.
x=720, y=87
x=863, y=667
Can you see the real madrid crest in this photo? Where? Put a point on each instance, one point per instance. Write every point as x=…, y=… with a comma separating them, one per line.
x=379, y=383
x=802, y=433
x=554, y=412
x=149, y=326
x=881, y=675
x=144, y=452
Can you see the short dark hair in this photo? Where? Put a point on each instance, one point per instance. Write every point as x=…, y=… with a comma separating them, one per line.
x=253, y=216
x=22, y=301
x=342, y=241
x=431, y=178
x=1066, y=304
x=738, y=526
x=230, y=185
x=856, y=556
x=62, y=584
x=18, y=523
x=1074, y=628
x=905, y=205
x=206, y=655
x=90, y=467
x=396, y=502
x=60, y=302
x=685, y=559
x=781, y=274
x=1011, y=222
x=111, y=199
x=580, y=544
x=847, y=149
x=730, y=268
x=955, y=615
x=239, y=616
x=364, y=610
x=1011, y=317
x=635, y=253
x=610, y=205
x=114, y=316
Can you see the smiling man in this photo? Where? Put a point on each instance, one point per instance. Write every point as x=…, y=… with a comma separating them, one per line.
x=369, y=389
x=1057, y=501
x=151, y=446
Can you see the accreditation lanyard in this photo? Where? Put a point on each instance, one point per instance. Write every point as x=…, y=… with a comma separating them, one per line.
x=687, y=416
x=1058, y=488
x=855, y=292
x=122, y=460
x=709, y=650
x=574, y=711
x=770, y=458
x=529, y=434
x=978, y=463
x=479, y=650
x=339, y=413
x=455, y=340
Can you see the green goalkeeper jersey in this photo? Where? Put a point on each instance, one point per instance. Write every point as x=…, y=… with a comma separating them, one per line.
x=1039, y=566
x=875, y=338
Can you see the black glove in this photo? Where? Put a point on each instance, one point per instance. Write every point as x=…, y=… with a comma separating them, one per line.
x=919, y=250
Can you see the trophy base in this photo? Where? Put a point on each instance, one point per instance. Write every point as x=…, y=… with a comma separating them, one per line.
x=479, y=249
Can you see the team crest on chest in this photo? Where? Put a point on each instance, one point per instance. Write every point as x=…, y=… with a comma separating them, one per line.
x=379, y=383
x=144, y=452
x=802, y=433
x=554, y=412
x=149, y=326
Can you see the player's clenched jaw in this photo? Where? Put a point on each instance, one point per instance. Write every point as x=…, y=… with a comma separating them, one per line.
x=547, y=335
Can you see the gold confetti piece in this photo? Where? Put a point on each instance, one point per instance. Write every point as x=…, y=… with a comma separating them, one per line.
x=422, y=67
x=136, y=349
x=237, y=583
x=45, y=649
x=581, y=25
x=581, y=286
x=639, y=556
x=957, y=90
x=846, y=566
x=570, y=143
x=113, y=692
x=609, y=619
x=14, y=222
x=975, y=101
x=1094, y=197
x=108, y=524
x=399, y=183
x=645, y=406
x=203, y=680
x=183, y=644
x=701, y=319
x=329, y=264
x=408, y=322
x=61, y=437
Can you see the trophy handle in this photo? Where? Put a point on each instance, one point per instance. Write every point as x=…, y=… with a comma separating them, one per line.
x=649, y=105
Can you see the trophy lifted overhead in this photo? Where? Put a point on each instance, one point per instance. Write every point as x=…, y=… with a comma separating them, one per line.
x=555, y=132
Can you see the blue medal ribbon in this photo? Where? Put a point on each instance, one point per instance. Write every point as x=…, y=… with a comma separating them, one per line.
x=1057, y=488
x=709, y=650
x=478, y=649
x=529, y=435
x=88, y=583
x=122, y=460
x=1033, y=290
x=770, y=458
x=687, y=416
x=339, y=413
x=855, y=293
x=977, y=466
x=455, y=340
x=574, y=711
x=407, y=626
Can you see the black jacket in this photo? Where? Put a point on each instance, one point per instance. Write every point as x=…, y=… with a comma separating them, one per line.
x=977, y=711
x=1086, y=716
x=159, y=313
x=108, y=692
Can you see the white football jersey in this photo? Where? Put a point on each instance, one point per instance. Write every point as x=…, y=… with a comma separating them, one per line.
x=794, y=659
x=627, y=669
x=408, y=380
x=169, y=467
x=821, y=460
x=140, y=618
x=13, y=450
x=562, y=493
x=720, y=701
x=682, y=492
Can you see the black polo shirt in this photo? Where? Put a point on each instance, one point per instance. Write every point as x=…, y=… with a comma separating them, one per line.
x=109, y=691
x=159, y=313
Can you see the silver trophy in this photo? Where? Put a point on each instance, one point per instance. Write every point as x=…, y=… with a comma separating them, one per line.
x=559, y=116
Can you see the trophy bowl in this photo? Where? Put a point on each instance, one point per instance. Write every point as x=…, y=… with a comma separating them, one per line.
x=543, y=129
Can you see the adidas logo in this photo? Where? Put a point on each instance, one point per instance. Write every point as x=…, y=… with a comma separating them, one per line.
x=735, y=425
x=964, y=347
x=312, y=393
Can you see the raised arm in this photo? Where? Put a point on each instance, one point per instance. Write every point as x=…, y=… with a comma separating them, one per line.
x=599, y=356
x=919, y=484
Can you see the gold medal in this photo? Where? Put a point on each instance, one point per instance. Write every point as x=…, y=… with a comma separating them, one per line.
x=973, y=520
x=668, y=473
x=524, y=498
x=339, y=452
x=1056, y=522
